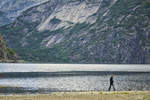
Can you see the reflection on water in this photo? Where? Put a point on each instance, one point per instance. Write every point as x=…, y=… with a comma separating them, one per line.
x=49, y=78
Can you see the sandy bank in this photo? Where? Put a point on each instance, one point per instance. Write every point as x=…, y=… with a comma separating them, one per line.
x=132, y=95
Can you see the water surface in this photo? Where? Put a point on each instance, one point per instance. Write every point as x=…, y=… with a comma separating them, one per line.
x=45, y=78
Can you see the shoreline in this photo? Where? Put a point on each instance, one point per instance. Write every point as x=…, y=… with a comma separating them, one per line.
x=91, y=95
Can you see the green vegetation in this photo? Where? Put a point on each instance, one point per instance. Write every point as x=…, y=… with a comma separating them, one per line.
x=11, y=51
x=77, y=27
x=5, y=52
x=56, y=54
x=55, y=21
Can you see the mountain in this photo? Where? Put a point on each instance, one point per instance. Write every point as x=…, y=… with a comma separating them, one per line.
x=12, y=9
x=83, y=31
x=6, y=54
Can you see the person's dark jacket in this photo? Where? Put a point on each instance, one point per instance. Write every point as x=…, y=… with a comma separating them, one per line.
x=111, y=80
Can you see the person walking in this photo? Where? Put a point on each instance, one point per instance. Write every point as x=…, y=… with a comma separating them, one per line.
x=111, y=83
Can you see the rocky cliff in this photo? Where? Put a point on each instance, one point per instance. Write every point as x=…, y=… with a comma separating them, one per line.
x=12, y=9
x=6, y=54
x=83, y=31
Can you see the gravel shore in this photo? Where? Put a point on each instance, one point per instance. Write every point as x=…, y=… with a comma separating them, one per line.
x=114, y=95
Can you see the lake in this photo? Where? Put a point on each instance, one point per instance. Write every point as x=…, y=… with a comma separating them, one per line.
x=46, y=78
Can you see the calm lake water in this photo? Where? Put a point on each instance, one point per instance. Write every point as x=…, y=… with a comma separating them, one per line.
x=45, y=78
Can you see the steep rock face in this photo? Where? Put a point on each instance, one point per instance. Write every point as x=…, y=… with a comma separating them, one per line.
x=13, y=8
x=68, y=14
x=6, y=53
x=83, y=31
x=3, y=19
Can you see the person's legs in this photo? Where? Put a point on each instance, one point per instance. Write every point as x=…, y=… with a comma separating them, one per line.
x=109, y=87
x=114, y=87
